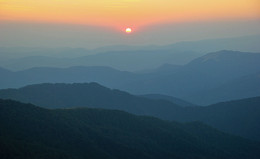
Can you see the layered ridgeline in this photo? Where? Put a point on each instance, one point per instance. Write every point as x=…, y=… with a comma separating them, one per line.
x=215, y=77
x=127, y=57
x=241, y=117
x=210, y=75
x=104, y=75
x=28, y=131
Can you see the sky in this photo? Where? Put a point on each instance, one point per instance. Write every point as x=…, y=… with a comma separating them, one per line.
x=89, y=23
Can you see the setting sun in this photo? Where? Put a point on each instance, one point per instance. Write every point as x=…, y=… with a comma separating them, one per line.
x=128, y=30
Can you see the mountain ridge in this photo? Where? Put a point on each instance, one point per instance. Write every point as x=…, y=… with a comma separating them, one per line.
x=97, y=96
x=97, y=133
x=191, y=80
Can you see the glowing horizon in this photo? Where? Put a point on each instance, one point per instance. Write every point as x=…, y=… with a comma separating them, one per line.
x=124, y=13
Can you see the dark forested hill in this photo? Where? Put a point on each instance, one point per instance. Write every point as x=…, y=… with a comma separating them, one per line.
x=239, y=117
x=88, y=95
x=28, y=131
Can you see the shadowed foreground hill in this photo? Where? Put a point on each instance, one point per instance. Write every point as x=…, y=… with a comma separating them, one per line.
x=28, y=131
x=241, y=117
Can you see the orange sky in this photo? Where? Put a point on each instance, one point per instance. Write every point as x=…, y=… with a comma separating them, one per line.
x=127, y=13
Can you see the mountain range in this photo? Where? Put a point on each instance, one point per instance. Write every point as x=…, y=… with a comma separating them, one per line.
x=28, y=131
x=122, y=57
x=207, y=73
x=214, y=77
x=124, y=60
x=183, y=101
x=240, y=117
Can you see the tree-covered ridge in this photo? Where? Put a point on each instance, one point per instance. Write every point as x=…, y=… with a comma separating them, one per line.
x=28, y=131
x=240, y=117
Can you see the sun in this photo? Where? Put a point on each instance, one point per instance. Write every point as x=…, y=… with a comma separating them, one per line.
x=128, y=30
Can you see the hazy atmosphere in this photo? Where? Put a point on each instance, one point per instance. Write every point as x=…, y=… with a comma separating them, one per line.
x=89, y=24
x=124, y=79
x=36, y=34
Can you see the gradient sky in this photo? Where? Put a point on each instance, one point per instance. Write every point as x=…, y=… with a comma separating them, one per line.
x=21, y=16
x=121, y=13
